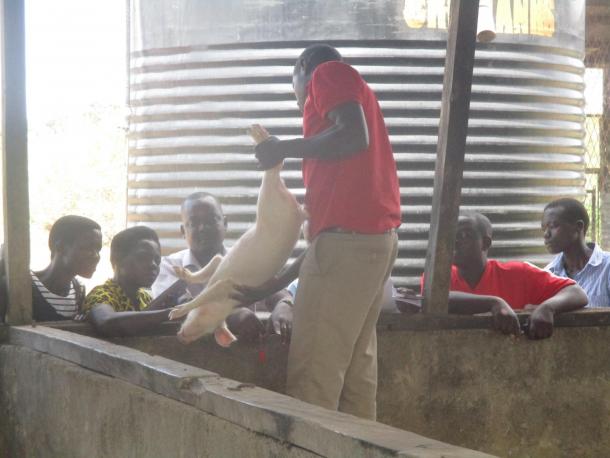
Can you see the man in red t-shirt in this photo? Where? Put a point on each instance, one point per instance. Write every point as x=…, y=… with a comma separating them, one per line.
x=480, y=285
x=353, y=199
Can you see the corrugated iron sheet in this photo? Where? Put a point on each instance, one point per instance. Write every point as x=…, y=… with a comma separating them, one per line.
x=190, y=108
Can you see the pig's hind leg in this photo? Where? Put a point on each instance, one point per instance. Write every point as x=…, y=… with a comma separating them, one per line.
x=202, y=275
x=223, y=336
x=217, y=292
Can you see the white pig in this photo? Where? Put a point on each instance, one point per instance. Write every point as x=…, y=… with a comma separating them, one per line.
x=255, y=258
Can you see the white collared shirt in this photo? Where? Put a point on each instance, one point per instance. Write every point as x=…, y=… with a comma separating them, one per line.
x=167, y=277
x=594, y=278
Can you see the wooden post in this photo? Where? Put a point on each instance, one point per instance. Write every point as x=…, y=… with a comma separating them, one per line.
x=453, y=127
x=15, y=165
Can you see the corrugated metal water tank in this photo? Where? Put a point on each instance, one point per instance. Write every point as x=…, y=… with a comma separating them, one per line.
x=202, y=72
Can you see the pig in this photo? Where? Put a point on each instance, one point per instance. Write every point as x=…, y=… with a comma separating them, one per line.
x=255, y=258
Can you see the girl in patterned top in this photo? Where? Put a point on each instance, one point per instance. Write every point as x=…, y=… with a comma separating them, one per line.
x=122, y=306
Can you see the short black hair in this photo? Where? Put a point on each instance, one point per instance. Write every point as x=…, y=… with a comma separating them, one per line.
x=199, y=195
x=482, y=223
x=573, y=210
x=67, y=228
x=315, y=55
x=126, y=240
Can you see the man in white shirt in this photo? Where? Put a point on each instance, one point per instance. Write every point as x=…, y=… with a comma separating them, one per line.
x=564, y=226
x=204, y=227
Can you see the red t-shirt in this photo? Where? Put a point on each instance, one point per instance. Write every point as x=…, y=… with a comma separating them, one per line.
x=518, y=283
x=359, y=193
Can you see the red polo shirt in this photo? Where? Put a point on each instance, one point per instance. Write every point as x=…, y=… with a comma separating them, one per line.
x=359, y=193
x=518, y=283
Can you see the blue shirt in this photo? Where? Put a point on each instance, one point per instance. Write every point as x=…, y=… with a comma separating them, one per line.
x=292, y=287
x=594, y=277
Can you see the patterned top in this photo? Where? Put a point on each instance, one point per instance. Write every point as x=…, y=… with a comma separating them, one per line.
x=112, y=294
x=65, y=306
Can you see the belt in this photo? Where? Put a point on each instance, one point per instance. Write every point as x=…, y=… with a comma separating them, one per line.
x=340, y=230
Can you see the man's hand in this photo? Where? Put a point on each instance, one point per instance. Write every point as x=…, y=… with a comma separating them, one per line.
x=405, y=292
x=281, y=321
x=269, y=153
x=407, y=300
x=541, y=322
x=504, y=318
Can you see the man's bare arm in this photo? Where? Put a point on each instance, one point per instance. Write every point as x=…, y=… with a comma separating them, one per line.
x=110, y=323
x=542, y=320
x=281, y=295
x=347, y=135
x=504, y=318
x=471, y=304
x=247, y=295
x=567, y=299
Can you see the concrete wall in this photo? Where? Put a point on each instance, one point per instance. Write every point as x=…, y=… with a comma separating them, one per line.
x=507, y=396
x=65, y=394
x=58, y=409
x=448, y=378
x=468, y=385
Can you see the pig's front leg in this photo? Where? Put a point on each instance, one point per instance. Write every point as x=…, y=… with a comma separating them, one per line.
x=219, y=291
x=202, y=275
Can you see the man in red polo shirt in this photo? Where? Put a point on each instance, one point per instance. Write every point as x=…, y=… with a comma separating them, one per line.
x=353, y=200
x=481, y=285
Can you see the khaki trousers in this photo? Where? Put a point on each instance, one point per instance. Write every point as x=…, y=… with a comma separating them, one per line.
x=332, y=361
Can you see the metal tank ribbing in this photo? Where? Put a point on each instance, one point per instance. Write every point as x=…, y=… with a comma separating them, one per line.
x=191, y=105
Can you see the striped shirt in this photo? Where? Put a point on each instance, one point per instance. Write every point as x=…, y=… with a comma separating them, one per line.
x=64, y=306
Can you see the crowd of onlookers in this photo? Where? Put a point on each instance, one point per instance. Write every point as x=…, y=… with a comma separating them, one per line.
x=145, y=287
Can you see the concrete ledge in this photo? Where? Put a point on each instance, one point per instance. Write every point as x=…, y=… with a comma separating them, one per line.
x=311, y=428
x=388, y=321
x=427, y=322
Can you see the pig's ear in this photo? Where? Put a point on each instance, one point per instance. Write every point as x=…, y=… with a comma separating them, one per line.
x=224, y=337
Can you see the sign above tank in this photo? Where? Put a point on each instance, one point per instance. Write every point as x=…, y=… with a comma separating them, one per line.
x=210, y=22
x=511, y=17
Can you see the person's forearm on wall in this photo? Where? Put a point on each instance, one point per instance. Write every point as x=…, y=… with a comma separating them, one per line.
x=541, y=321
x=111, y=324
x=470, y=304
x=568, y=299
x=504, y=318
